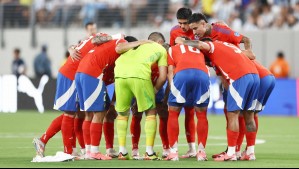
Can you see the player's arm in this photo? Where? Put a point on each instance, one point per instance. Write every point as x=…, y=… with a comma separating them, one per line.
x=194, y=43
x=248, y=48
x=74, y=53
x=161, y=79
x=100, y=39
x=124, y=47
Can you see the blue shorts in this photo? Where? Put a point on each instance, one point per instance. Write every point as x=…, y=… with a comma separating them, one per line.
x=243, y=93
x=160, y=95
x=266, y=87
x=92, y=92
x=190, y=87
x=66, y=94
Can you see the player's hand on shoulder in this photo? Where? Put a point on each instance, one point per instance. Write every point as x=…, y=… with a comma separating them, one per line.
x=74, y=53
x=249, y=54
x=179, y=40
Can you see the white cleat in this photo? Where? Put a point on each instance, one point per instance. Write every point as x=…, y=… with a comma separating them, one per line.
x=111, y=153
x=135, y=154
x=189, y=154
x=39, y=147
x=165, y=153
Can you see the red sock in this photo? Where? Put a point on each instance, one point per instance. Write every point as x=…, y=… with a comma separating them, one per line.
x=256, y=119
x=163, y=132
x=54, y=128
x=96, y=133
x=173, y=128
x=109, y=134
x=190, y=124
x=225, y=113
x=232, y=138
x=74, y=140
x=79, y=132
x=135, y=129
x=67, y=130
x=86, y=132
x=250, y=138
x=202, y=127
x=242, y=131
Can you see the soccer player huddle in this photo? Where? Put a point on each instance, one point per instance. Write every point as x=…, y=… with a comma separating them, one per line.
x=139, y=69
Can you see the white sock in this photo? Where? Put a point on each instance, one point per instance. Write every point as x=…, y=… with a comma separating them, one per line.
x=250, y=150
x=75, y=150
x=87, y=147
x=123, y=150
x=192, y=146
x=174, y=148
x=94, y=149
x=201, y=147
x=231, y=151
x=83, y=150
x=149, y=150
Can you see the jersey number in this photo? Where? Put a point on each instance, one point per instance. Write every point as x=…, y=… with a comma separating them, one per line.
x=190, y=48
x=235, y=48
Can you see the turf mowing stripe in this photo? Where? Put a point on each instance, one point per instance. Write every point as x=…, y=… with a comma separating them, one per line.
x=297, y=90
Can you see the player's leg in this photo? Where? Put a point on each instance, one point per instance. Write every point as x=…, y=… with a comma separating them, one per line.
x=65, y=100
x=40, y=143
x=201, y=96
x=96, y=100
x=124, y=97
x=190, y=129
x=108, y=128
x=79, y=119
x=135, y=129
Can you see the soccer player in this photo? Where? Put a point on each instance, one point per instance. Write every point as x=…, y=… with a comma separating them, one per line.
x=93, y=95
x=189, y=80
x=65, y=99
x=242, y=76
x=136, y=82
x=162, y=111
x=183, y=29
x=220, y=31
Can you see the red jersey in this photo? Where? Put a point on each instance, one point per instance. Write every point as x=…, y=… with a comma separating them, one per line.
x=108, y=77
x=177, y=32
x=225, y=34
x=186, y=57
x=230, y=60
x=261, y=69
x=155, y=73
x=70, y=67
x=99, y=58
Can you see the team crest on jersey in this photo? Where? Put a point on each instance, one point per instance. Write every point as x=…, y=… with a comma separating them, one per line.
x=237, y=34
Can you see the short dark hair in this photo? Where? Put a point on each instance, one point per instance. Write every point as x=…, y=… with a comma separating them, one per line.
x=196, y=17
x=156, y=36
x=280, y=54
x=67, y=54
x=183, y=13
x=130, y=39
x=89, y=23
x=17, y=50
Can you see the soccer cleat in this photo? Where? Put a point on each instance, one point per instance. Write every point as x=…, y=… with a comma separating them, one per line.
x=87, y=156
x=225, y=157
x=122, y=156
x=135, y=154
x=111, y=153
x=201, y=156
x=239, y=155
x=189, y=154
x=220, y=154
x=99, y=156
x=39, y=147
x=250, y=157
x=172, y=157
x=165, y=153
x=153, y=157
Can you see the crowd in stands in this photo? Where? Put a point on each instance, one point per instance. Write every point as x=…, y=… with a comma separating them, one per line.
x=248, y=15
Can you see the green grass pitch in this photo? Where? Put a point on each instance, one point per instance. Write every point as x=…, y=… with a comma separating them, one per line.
x=278, y=138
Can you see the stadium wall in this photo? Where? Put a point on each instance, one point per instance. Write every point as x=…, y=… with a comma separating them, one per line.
x=30, y=94
x=266, y=44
